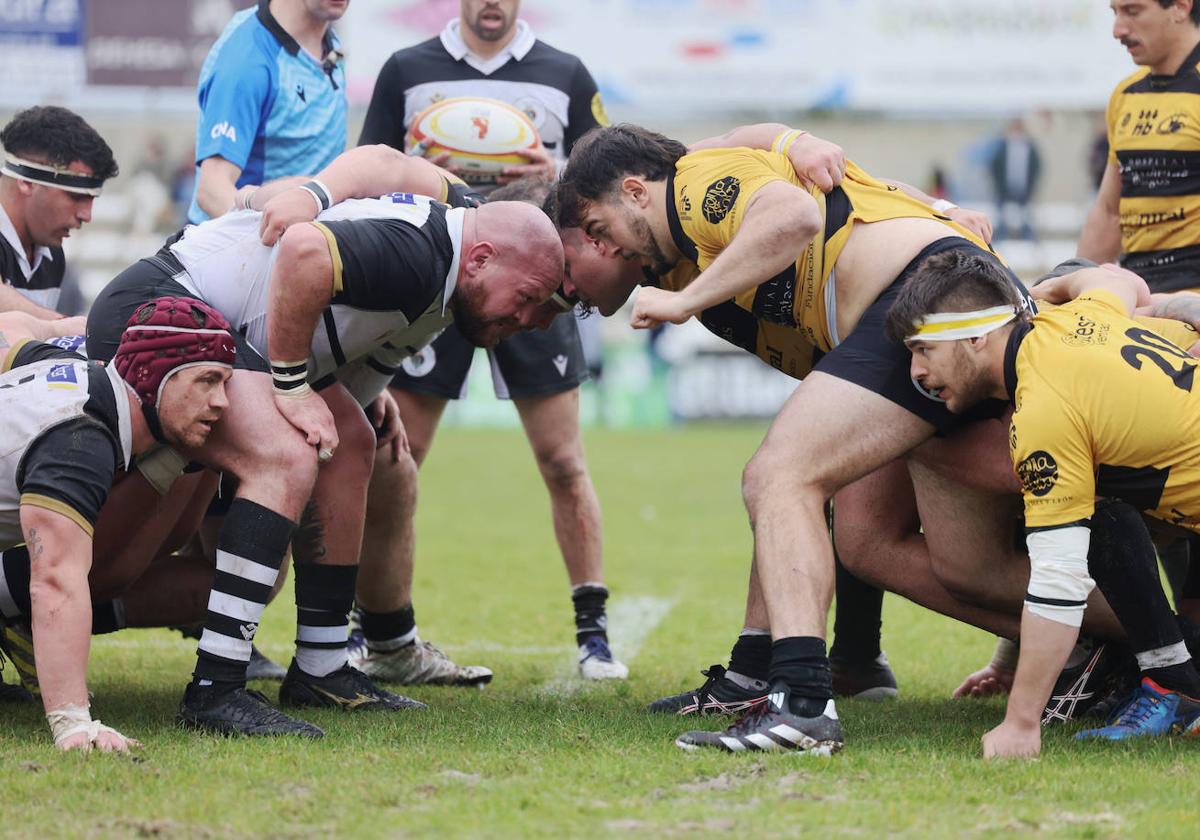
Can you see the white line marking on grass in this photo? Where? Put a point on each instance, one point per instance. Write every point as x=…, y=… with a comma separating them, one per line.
x=631, y=621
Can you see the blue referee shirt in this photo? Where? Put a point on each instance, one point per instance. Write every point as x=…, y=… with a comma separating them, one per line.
x=268, y=106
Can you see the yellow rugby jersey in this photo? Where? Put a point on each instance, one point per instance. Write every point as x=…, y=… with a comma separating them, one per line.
x=783, y=348
x=707, y=197
x=1154, y=137
x=1104, y=406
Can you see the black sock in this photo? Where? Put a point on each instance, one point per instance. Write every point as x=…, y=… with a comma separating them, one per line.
x=389, y=630
x=14, y=588
x=590, y=618
x=250, y=549
x=108, y=617
x=751, y=656
x=858, y=617
x=324, y=595
x=1121, y=559
x=800, y=662
x=1191, y=584
x=1181, y=678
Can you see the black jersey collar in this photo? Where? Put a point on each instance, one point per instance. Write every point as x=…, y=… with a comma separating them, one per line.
x=1019, y=331
x=284, y=38
x=1189, y=65
x=686, y=246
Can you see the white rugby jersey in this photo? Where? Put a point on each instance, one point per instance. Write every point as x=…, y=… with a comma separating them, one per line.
x=396, y=261
x=65, y=426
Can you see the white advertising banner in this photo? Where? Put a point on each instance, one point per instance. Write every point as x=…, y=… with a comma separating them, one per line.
x=695, y=56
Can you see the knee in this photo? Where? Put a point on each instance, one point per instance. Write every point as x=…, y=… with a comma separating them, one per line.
x=770, y=477
x=963, y=581
x=393, y=483
x=356, y=445
x=285, y=459
x=563, y=468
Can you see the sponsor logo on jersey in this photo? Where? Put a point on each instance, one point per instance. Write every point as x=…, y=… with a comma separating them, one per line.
x=1172, y=124
x=1038, y=473
x=719, y=198
x=402, y=198
x=1086, y=333
x=224, y=129
x=62, y=376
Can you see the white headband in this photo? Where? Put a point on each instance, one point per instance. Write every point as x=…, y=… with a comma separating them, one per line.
x=953, y=326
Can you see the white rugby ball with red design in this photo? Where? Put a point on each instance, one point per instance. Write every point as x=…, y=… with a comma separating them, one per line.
x=482, y=136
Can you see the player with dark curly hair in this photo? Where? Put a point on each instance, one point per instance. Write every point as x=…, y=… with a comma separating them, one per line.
x=54, y=166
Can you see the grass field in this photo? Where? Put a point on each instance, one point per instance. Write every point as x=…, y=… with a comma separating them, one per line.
x=539, y=755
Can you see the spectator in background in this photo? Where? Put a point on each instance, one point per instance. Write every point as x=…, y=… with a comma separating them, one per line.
x=1016, y=167
x=487, y=51
x=277, y=66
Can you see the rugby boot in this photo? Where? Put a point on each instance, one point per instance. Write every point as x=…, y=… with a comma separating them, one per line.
x=12, y=692
x=1152, y=710
x=16, y=641
x=596, y=661
x=718, y=696
x=345, y=688
x=237, y=711
x=869, y=680
x=1090, y=674
x=419, y=663
x=773, y=726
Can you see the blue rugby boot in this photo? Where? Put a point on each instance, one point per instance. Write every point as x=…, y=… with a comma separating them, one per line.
x=1152, y=710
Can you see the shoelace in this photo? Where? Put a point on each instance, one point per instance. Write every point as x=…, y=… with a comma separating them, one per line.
x=1138, y=711
x=598, y=648
x=714, y=673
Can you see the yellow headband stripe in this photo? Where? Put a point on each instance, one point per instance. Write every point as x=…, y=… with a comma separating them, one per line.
x=954, y=326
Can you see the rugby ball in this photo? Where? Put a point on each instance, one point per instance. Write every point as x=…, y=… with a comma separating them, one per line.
x=482, y=136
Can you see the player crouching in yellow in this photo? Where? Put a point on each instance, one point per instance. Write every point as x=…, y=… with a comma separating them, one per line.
x=1103, y=407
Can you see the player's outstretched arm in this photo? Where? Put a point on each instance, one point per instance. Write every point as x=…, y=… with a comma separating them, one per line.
x=778, y=223
x=1100, y=240
x=60, y=554
x=1129, y=287
x=361, y=172
x=818, y=162
x=16, y=327
x=973, y=220
x=302, y=284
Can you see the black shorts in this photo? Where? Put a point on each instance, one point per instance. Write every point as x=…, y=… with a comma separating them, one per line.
x=869, y=359
x=144, y=281
x=530, y=364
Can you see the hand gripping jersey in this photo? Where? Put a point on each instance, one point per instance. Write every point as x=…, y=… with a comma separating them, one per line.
x=1154, y=137
x=710, y=192
x=395, y=262
x=1104, y=406
x=66, y=428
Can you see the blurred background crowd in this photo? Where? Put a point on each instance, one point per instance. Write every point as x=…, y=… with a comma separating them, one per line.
x=995, y=106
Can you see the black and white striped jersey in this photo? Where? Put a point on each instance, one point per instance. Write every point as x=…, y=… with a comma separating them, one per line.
x=66, y=430
x=40, y=282
x=552, y=87
x=395, y=261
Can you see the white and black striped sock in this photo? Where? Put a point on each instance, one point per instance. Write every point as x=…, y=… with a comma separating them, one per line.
x=250, y=549
x=324, y=595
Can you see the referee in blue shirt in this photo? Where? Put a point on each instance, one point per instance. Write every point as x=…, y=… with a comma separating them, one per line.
x=272, y=100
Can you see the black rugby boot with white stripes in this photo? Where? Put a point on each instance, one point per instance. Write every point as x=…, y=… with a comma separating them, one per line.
x=773, y=726
x=237, y=711
x=718, y=696
x=345, y=688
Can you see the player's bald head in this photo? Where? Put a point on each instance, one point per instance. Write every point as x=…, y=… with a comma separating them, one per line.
x=522, y=233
